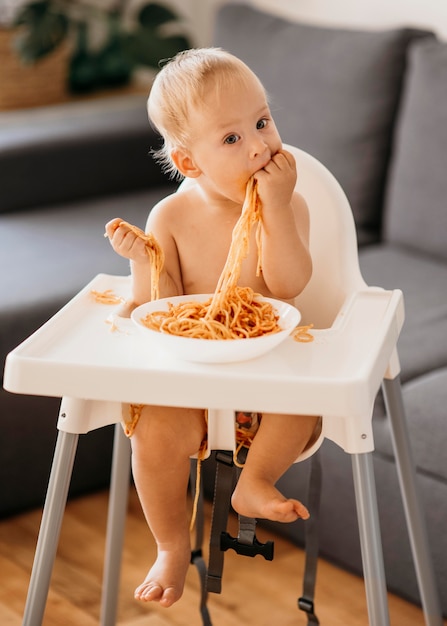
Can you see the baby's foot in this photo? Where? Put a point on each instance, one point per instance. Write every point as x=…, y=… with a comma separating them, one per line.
x=260, y=499
x=165, y=580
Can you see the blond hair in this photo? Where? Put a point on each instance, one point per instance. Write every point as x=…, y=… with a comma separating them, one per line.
x=181, y=85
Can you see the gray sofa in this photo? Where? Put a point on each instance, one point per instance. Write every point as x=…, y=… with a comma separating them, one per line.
x=370, y=106
x=64, y=172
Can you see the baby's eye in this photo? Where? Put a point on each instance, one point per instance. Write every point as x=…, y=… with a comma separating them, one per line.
x=262, y=123
x=231, y=139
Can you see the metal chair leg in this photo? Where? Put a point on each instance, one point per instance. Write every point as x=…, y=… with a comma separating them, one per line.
x=50, y=527
x=118, y=499
x=370, y=539
x=413, y=510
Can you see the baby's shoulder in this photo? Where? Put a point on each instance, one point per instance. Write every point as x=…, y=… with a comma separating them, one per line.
x=176, y=201
x=172, y=208
x=166, y=207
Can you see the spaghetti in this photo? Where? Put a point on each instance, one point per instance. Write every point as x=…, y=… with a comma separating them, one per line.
x=241, y=316
x=302, y=334
x=156, y=256
x=106, y=297
x=240, y=240
x=233, y=312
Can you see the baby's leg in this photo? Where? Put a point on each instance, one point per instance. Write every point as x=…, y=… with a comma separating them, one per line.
x=277, y=444
x=162, y=443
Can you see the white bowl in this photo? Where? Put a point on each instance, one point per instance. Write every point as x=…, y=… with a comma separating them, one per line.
x=216, y=350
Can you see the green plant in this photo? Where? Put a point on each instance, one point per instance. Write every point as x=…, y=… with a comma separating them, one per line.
x=130, y=41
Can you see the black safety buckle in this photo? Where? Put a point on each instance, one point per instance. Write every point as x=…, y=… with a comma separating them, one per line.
x=195, y=555
x=225, y=457
x=306, y=605
x=227, y=542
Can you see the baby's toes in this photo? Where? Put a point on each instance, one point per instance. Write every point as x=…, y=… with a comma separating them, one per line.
x=149, y=592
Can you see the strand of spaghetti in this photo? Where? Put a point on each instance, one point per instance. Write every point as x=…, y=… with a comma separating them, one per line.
x=131, y=421
x=106, y=297
x=259, y=245
x=156, y=256
x=244, y=439
x=240, y=241
x=302, y=334
x=250, y=214
x=200, y=457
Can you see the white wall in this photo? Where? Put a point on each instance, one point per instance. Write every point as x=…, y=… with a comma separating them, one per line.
x=197, y=15
x=370, y=14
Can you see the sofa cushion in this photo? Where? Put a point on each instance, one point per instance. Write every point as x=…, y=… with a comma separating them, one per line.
x=425, y=399
x=416, y=204
x=334, y=93
x=423, y=280
x=76, y=150
x=48, y=255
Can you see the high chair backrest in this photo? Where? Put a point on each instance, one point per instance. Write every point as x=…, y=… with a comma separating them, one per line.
x=333, y=242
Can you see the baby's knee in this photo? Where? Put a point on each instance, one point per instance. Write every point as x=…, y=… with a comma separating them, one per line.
x=166, y=427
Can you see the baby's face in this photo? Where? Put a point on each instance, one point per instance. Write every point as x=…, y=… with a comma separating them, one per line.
x=233, y=135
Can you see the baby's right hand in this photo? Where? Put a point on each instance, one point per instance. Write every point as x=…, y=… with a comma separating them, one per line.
x=125, y=242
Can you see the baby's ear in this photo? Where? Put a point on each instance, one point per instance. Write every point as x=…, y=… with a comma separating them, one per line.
x=184, y=163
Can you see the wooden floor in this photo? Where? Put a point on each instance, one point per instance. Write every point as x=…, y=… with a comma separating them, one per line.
x=255, y=592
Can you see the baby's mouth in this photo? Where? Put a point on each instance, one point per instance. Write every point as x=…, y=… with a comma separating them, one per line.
x=265, y=164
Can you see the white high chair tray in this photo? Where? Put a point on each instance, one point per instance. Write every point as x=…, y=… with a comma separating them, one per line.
x=78, y=354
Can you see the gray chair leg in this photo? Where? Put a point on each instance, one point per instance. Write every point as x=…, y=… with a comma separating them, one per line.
x=50, y=527
x=370, y=539
x=118, y=499
x=413, y=510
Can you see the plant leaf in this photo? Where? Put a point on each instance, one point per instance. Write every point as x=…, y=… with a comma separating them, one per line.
x=153, y=15
x=44, y=31
x=114, y=63
x=146, y=47
x=31, y=12
x=170, y=46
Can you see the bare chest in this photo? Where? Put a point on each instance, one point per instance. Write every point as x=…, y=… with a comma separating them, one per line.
x=203, y=250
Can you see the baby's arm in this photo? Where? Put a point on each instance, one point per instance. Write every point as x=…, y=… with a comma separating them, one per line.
x=127, y=243
x=286, y=261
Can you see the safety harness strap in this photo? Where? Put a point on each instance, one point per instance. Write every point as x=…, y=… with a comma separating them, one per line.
x=246, y=542
x=223, y=488
x=247, y=530
x=196, y=554
x=306, y=601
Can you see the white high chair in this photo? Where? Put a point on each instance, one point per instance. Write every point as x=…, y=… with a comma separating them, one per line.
x=76, y=357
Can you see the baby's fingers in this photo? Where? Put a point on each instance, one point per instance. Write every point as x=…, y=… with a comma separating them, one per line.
x=284, y=158
x=112, y=226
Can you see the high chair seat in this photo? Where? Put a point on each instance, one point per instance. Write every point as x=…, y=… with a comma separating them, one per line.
x=75, y=356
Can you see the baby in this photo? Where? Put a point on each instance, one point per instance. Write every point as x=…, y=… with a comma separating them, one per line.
x=214, y=117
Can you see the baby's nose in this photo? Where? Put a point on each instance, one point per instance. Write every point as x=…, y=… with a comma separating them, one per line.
x=258, y=148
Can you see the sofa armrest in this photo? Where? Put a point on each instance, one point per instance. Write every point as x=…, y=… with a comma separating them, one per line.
x=77, y=150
